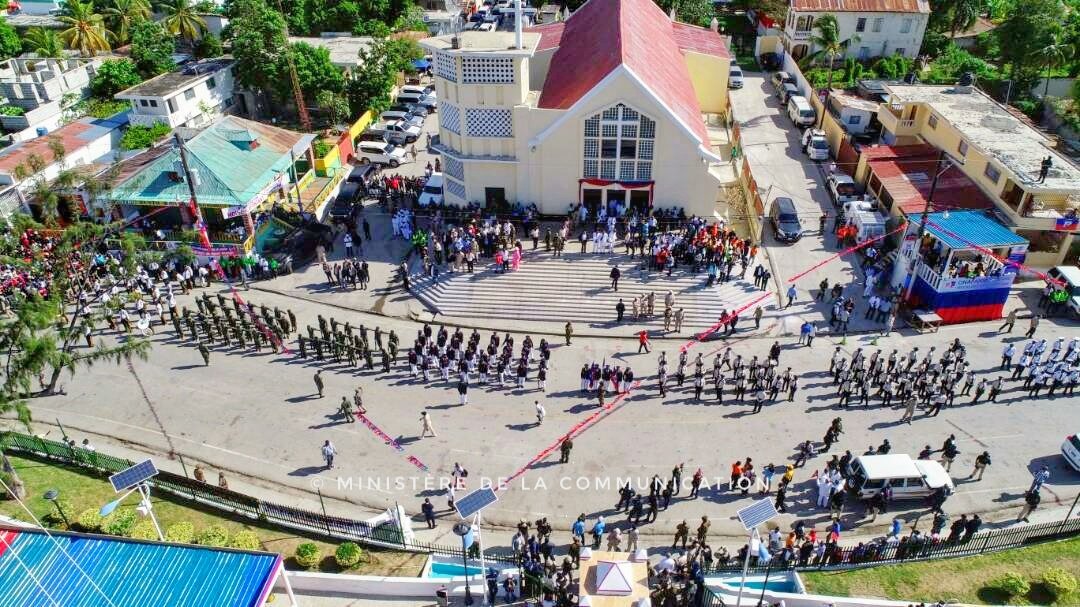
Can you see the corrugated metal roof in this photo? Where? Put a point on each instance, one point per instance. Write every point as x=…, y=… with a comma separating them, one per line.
x=965, y=229
x=907, y=172
x=73, y=136
x=862, y=6
x=230, y=171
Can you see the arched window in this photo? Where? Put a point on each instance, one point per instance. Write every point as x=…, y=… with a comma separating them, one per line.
x=618, y=144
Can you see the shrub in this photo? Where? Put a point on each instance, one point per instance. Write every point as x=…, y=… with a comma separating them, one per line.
x=347, y=555
x=321, y=148
x=89, y=520
x=11, y=110
x=143, y=530
x=308, y=555
x=181, y=533
x=215, y=536
x=245, y=540
x=138, y=136
x=1059, y=582
x=120, y=523
x=52, y=518
x=1012, y=585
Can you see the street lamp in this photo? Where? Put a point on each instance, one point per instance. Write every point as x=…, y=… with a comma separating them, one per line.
x=948, y=161
x=464, y=531
x=52, y=495
x=145, y=508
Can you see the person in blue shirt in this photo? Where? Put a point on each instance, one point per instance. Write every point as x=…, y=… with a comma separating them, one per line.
x=578, y=528
x=598, y=531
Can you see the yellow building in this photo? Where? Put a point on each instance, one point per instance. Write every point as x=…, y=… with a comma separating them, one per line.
x=1002, y=154
x=612, y=105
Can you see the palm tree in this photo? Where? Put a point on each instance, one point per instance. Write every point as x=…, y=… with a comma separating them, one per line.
x=965, y=13
x=1058, y=52
x=828, y=43
x=86, y=30
x=44, y=43
x=182, y=20
x=124, y=14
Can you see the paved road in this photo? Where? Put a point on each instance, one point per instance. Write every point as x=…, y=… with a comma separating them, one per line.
x=256, y=415
x=771, y=144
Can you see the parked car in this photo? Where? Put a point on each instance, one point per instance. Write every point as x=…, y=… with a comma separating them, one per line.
x=841, y=188
x=815, y=144
x=405, y=117
x=908, y=478
x=375, y=152
x=770, y=61
x=432, y=192
x=362, y=174
x=784, y=218
x=415, y=110
x=800, y=111
x=1070, y=450
x=787, y=91
x=343, y=207
x=779, y=79
x=426, y=101
x=428, y=90
x=735, y=77
x=397, y=131
x=1069, y=277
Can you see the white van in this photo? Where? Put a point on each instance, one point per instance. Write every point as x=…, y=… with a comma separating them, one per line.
x=1070, y=281
x=868, y=224
x=432, y=192
x=426, y=101
x=405, y=117
x=419, y=90
x=908, y=478
x=800, y=111
x=377, y=152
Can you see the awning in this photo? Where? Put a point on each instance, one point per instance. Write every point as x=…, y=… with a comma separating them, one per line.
x=421, y=64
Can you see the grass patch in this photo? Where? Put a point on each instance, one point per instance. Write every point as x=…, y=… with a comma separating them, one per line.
x=81, y=490
x=966, y=580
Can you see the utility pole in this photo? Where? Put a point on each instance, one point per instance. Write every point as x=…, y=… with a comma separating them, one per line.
x=193, y=203
x=942, y=159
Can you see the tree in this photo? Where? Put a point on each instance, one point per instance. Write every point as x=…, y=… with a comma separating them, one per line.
x=1056, y=53
x=827, y=42
x=1028, y=28
x=182, y=20
x=42, y=336
x=370, y=86
x=208, y=46
x=44, y=43
x=151, y=49
x=695, y=12
x=335, y=105
x=10, y=45
x=113, y=76
x=123, y=15
x=964, y=14
x=314, y=71
x=256, y=35
x=85, y=30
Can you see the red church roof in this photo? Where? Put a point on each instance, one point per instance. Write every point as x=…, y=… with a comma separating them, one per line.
x=606, y=34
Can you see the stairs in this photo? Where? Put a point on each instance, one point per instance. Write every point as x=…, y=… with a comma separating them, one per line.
x=576, y=288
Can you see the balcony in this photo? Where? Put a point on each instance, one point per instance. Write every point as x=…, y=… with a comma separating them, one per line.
x=891, y=118
x=994, y=279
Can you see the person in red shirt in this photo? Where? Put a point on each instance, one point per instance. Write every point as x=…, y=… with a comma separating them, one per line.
x=736, y=474
x=643, y=342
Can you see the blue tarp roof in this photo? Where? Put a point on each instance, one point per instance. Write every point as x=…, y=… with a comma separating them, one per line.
x=966, y=229
x=34, y=571
x=421, y=64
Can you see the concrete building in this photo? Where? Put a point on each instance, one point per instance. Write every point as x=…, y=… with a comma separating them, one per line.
x=39, y=86
x=192, y=96
x=344, y=49
x=1000, y=153
x=612, y=105
x=84, y=142
x=884, y=27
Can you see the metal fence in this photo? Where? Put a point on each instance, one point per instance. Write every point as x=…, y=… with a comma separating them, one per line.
x=320, y=525
x=879, y=552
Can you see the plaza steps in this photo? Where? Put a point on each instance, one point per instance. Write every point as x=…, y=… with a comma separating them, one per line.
x=576, y=287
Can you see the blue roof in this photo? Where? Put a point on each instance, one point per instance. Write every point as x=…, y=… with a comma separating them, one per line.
x=968, y=229
x=34, y=571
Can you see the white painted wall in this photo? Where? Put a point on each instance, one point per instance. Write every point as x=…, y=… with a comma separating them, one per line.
x=877, y=44
x=187, y=111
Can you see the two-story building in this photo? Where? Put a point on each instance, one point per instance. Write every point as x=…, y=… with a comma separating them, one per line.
x=609, y=106
x=883, y=27
x=1002, y=154
x=193, y=95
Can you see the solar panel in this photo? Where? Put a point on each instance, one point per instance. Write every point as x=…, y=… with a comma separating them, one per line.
x=475, y=502
x=129, y=477
x=757, y=513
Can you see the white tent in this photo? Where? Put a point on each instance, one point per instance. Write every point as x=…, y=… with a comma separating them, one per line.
x=614, y=577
